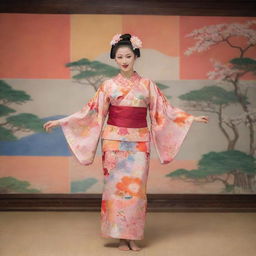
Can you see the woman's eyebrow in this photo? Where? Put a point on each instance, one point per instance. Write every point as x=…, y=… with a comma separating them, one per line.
x=124, y=54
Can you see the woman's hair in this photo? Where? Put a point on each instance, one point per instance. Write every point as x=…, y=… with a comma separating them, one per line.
x=125, y=41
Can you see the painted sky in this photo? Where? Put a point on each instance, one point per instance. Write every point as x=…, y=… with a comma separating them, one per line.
x=39, y=45
x=34, y=46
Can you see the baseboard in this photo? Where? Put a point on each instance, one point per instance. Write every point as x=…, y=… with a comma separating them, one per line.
x=155, y=202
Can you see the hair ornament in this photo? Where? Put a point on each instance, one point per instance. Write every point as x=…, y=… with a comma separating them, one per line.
x=135, y=41
x=116, y=38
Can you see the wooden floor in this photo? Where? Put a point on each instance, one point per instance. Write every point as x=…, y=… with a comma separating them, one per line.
x=174, y=234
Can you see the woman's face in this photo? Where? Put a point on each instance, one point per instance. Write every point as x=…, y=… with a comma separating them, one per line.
x=125, y=58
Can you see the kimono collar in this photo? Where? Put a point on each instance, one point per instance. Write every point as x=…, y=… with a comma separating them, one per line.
x=123, y=80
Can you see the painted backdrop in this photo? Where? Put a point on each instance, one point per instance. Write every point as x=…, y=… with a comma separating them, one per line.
x=51, y=65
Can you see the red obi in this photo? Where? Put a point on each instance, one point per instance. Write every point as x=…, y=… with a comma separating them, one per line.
x=127, y=116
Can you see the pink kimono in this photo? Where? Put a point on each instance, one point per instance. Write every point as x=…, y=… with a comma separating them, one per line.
x=126, y=150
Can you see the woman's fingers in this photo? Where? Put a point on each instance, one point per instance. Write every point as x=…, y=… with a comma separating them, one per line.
x=205, y=119
x=202, y=119
x=48, y=125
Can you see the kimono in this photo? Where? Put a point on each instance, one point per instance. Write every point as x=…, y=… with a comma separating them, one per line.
x=126, y=150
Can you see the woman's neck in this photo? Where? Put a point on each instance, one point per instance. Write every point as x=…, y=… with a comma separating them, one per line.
x=127, y=74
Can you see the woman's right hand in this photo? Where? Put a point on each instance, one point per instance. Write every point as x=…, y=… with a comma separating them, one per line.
x=50, y=124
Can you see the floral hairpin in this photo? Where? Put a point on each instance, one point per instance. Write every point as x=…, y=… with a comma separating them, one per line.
x=116, y=38
x=136, y=42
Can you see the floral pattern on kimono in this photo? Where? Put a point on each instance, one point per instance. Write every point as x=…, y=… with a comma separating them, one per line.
x=125, y=151
x=124, y=199
x=169, y=124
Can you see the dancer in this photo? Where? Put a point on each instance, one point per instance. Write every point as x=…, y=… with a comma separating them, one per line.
x=125, y=140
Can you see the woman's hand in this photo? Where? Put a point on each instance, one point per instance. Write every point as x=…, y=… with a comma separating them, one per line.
x=50, y=124
x=203, y=119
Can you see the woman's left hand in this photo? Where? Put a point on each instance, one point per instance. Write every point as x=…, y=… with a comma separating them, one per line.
x=203, y=119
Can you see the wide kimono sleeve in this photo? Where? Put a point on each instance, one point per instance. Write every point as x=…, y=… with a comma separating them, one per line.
x=169, y=124
x=82, y=129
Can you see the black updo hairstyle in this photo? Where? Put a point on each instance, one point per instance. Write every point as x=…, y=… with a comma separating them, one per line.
x=124, y=41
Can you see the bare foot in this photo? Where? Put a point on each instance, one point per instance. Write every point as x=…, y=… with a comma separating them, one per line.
x=123, y=245
x=134, y=246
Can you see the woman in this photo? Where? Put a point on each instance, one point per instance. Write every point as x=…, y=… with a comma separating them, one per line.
x=125, y=140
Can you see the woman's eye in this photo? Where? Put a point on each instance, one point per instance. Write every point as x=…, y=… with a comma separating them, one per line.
x=126, y=57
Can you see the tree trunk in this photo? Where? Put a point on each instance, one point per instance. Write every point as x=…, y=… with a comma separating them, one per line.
x=244, y=181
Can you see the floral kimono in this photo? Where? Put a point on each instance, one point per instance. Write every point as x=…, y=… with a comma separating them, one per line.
x=126, y=148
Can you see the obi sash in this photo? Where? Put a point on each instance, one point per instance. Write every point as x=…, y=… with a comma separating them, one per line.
x=127, y=116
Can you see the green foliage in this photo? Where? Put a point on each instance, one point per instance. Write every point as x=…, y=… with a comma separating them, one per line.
x=246, y=64
x=6, y=135
x=178, y=172
x=4, y=110
x=78, y=63
x=82, y=185
x=92, y=69
x=104, y=69
x=11, y=185
x=21, y=121
x=7, y=94
x=213, y=94
x=85, y=74
x=26, y=121
x=227, y=161
x=217, y=163
x=183, y=173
